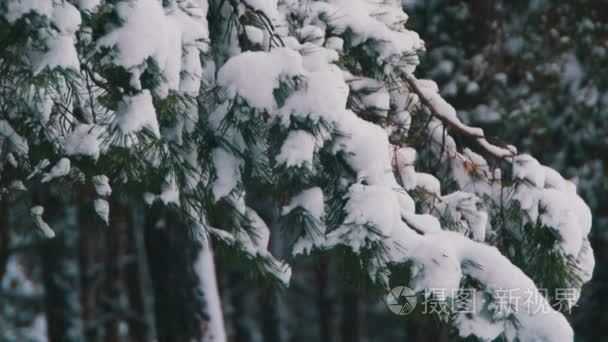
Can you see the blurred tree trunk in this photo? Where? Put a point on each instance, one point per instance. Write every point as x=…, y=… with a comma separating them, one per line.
x=139, y=283
x=239, y=310
x=275, y=317
x=91, y=263
x=325, y=302
x=350, y=315
x=116, y=261
x=173, y=251
x=60, y=274
x=5, y=234
x=274, y=320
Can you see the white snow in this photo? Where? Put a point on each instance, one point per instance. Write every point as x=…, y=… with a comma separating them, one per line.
x=102, y=208
x=136, y=113
x=429, y=183
x=141, y=35
x=102, y=185
x=367, y=148
x=170, y=191
x=403, y=161
x=546, y=195
x=254, y=34
x=323, y=97
x=88, y=5
x=36, y=213
x=378, y=208
x=84, y=140
x=311, y=200
x=227, y=167
x=205, y=270
x=60, y=50
x=297, y=150
x=369, y=205
x=18, y=8
x=263, y=70
x=268, y=7
x=61, y=169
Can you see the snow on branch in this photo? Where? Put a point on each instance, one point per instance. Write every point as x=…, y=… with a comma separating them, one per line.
x=429, y=96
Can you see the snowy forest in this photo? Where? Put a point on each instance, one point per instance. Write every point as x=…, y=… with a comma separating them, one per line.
x=303, y=170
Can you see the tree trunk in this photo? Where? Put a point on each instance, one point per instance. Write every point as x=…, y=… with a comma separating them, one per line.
x=117, y=239
x=205, y=268
x=275, y=313
x=5, y=235
x=139, y=285
x=91, y=258
x=179, y=303
x=350, y=316
x=324, y=300
x=60, y=276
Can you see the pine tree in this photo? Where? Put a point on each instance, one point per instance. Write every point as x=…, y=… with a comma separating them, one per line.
x=229, y=117
x=534, y=77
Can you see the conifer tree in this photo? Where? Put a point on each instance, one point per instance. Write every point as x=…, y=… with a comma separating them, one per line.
x=227, y=117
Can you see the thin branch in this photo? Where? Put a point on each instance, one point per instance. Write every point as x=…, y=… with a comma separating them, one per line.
x=475, y=133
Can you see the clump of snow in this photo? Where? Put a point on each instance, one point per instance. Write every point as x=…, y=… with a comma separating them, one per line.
x=254, y=34
x=228, y=171
x=88, y=5
x=84, y=140
x=335, y=43
x=297, y=150
x=373, y=95
x=528, y=169
x=102, y=209
x=136, y=113
x=465, y=209
x=36, y=213
x=140, y=36
x=62, y=168
x=380, y=23
x=268, y=7
x=403, y=161
x=311, y=200
x=60, y=49
x=429, y=183
x=545, y=195
x=374, y=206
x=170, y=191
x=19, y=8
x=323, y=96
x=102, y=185
x=362, y=146
x=264, y=71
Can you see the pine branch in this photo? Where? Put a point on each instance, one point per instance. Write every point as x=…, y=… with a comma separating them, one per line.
x=498, y=152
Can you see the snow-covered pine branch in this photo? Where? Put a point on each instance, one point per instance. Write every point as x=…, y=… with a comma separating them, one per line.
x=230, y=111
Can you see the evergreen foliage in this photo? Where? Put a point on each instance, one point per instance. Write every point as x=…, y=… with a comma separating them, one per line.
x=269, y=131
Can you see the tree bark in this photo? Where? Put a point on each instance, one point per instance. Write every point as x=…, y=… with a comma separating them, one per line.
x=60, y=276
x=350, y=316
x=179, y=269
x=116, y=247
x=90, y=259
x=324, y=300
x=139, y=284
x=5, y=235
x=274, y=323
